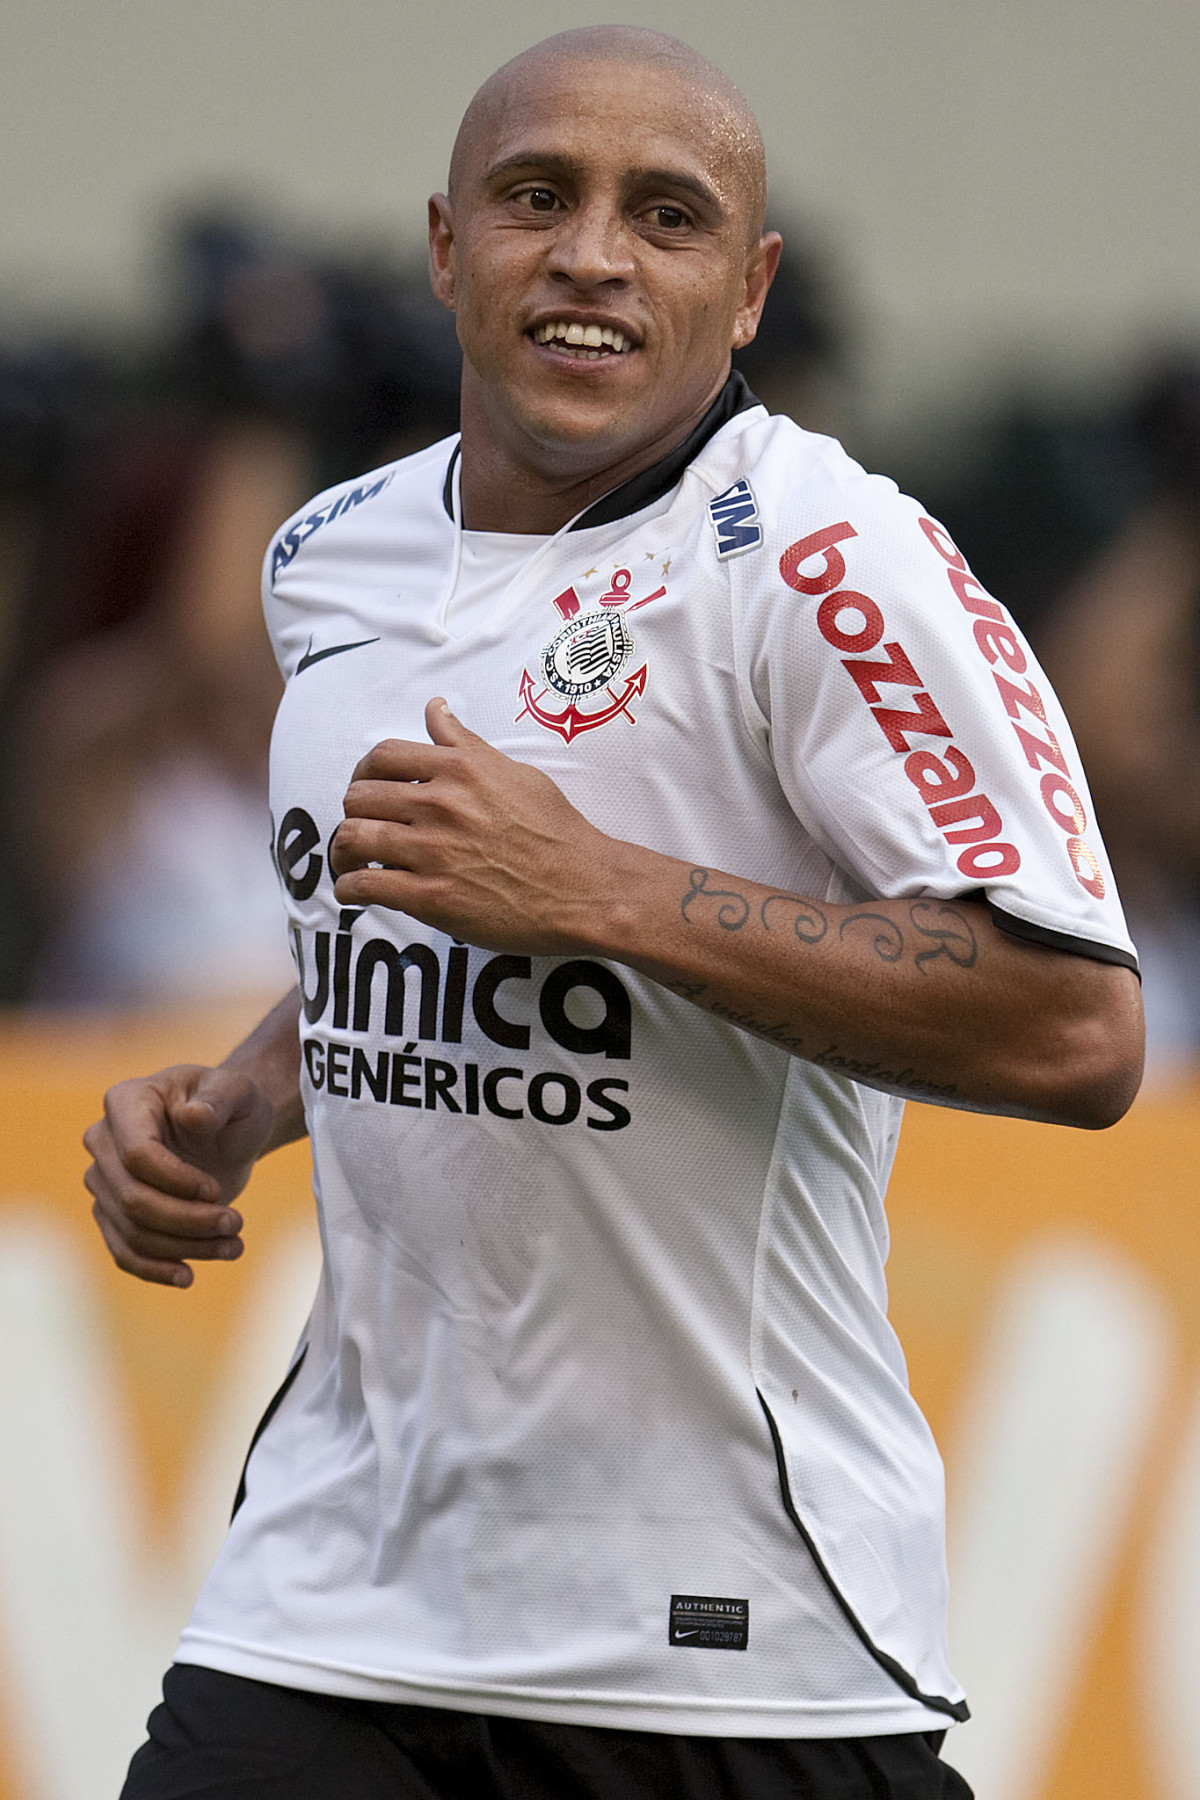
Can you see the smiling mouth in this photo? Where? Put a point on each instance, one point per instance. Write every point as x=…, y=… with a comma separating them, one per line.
x=589, y=342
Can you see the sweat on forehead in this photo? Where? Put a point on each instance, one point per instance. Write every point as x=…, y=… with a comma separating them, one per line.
x=616, y=44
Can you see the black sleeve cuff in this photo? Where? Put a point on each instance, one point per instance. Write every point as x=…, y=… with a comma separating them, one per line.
x=1060, y=940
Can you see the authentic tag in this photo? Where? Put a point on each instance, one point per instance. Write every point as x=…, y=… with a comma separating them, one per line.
x=706, y=1622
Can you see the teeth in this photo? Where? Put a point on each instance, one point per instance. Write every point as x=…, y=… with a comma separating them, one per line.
x=589, y=338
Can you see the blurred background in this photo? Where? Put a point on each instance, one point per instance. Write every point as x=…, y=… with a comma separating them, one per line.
x=212, y=303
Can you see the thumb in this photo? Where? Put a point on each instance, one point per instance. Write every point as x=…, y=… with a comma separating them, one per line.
x=444, y=728
x=219, y=1098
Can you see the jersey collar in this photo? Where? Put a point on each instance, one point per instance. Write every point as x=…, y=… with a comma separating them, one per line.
x=652, y=483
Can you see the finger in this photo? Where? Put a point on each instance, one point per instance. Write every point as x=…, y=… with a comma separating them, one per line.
x=396, y=759
x=223, y=1104
x=360, y=842
x=398, y=801
x=148, y=1163
x=396, y=889
x=151, y=1246
x=446, y=729
x=219, y=1098
x=134, y=1207
x=166, y=1273
x=127, y=1140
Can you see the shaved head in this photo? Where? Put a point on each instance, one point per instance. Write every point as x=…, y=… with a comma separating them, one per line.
x=602, y=250
x=709, y=92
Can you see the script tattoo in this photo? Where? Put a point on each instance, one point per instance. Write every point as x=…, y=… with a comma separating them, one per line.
x=774, y=1033
x=954, y=939
x=888, y=944
x=907, y=1081
x=687, y=990
x=809, y=922
x=731, y=916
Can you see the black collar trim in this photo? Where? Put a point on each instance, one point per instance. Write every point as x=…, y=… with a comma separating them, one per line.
x=448, y=484
x=652, y=483
x=644, y=489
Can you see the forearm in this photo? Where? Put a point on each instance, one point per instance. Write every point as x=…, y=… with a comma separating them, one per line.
x=918, y=996
x=270, y=1056
x=915, y=996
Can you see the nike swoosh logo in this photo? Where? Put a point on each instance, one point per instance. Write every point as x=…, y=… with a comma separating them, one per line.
x=685, y=1634
x=312, y=656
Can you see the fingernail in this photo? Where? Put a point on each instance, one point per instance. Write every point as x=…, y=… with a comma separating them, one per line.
x=182, y=1278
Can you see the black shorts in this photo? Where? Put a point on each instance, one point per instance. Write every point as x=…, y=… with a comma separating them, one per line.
x=221, y=1735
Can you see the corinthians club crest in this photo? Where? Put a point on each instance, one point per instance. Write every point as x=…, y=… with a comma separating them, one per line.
x=584, y=661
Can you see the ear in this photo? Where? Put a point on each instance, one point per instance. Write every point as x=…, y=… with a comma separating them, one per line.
x=441, y=249
x=761, y=264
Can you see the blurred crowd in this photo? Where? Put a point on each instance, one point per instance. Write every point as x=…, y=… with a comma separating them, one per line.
x=1088, y=528
x=138, y=490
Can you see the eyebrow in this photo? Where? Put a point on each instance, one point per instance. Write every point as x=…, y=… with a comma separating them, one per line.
x=533, y=162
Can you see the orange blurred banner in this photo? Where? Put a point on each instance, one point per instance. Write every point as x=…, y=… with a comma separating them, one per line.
x=1046, y=1286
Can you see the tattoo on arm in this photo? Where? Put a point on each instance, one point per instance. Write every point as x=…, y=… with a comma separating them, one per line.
x=888, y=943
x=780, y=1032
x=905, y=1080
x=731, y=916
x=949, y=932
x=687, y=990
x=809, y=922
x=932, y=930
x=944, y=930
x=941, y=929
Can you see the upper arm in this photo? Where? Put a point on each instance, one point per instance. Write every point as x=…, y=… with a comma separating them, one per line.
x=910, y=726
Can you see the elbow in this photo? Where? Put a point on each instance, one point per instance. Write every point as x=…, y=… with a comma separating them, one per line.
x=1098, y=1070
x=1107, y=1096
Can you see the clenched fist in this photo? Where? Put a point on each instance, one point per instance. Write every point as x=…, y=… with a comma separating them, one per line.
x=171, y=1154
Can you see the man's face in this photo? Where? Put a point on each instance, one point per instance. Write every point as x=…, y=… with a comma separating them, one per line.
x=597, y=256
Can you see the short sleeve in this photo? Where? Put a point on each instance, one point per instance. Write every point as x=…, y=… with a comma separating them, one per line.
x=909, y=723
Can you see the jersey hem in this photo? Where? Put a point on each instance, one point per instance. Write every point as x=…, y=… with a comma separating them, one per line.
x=678, y=1717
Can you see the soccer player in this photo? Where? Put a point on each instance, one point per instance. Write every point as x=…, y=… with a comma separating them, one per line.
x=657, y=800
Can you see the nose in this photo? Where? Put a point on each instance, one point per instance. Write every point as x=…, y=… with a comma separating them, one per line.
x=592, y=247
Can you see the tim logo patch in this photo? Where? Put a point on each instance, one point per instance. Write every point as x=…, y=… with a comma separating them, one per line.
x=707, y=1622
x=734, y=516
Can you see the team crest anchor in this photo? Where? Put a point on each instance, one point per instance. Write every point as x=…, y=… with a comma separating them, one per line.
x=571, y=721
x=585, y=657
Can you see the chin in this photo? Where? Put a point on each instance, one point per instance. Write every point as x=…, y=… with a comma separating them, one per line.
x=588, y=422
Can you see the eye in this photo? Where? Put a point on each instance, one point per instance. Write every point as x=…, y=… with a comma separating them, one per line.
x=541, y=200
x=668, y=218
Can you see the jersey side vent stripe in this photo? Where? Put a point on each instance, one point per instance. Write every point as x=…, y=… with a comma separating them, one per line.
x=273, y=1405
x=956, y=1709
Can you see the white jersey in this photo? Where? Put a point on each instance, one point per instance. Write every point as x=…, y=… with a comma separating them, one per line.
x=599, y=1416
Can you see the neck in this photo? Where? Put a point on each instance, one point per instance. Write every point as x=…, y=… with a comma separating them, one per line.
x=516, y=486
